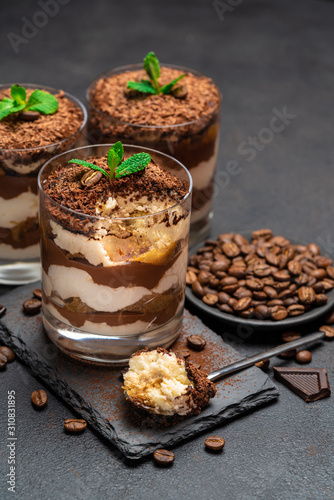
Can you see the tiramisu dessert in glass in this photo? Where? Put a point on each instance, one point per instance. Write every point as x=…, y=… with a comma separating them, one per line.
x=115, y=229
x=172, y=109
x=36, y=123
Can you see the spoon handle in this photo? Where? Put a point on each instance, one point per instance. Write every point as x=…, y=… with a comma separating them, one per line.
x=246, y=362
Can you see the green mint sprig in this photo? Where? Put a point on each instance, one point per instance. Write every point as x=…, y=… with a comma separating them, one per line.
x=39, y=100
x=118, y=168
x=152, y=86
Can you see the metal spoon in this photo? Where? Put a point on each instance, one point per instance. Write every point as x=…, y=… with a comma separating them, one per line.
x=246, y=362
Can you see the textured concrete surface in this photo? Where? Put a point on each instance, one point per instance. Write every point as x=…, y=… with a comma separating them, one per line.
x=265, y=55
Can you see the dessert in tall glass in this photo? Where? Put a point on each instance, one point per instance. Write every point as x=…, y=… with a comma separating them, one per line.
x=115, y=228
x=172, y=109
x=36, y=123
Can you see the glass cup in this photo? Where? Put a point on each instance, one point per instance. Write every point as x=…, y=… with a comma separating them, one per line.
x=19, y=231
x=112, y=286
x=194, y=144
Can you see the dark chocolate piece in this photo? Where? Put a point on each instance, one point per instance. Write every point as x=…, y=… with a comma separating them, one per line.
x=310, y=384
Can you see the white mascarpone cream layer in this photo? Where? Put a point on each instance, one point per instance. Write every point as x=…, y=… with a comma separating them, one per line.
x=7, y=252
x=66, y=283
x=18, y=209
x=205, y=170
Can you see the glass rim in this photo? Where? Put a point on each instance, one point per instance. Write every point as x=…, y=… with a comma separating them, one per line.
x=47, y=88
x=115, y=219
x=128, y=67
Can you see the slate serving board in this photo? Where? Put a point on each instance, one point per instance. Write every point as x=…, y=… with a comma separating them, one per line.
x=95, y=392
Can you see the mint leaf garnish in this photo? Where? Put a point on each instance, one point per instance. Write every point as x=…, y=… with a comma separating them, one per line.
x=43, y=102
x=144, y=87
x=39, y=100
x=152, y=67
x=90, y=165
x=133, y=164
x=166, y=89
x=129, y=166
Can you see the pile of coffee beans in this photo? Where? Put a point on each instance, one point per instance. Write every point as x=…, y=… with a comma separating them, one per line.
x=266, y=278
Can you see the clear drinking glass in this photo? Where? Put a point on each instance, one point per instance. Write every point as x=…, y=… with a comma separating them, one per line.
x=194, y=144
x=112, y=286
x=19, y=231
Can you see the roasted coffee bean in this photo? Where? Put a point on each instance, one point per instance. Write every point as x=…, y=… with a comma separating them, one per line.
x=242, y=292
x=306, y=295
x=272, y=259
x=242, y=304
x=280, y=241
x=246, y=249
x=288, y=354
x=321, y=299
x=254, y=284
x=275, y=302
x=193, y=259
x=281, y=276
x=32, y=306
x=262, y=312
x=207, y=290
x=270, y=292
x=240, y=240
x=207, y=255
x=39, y=398
x=330, y=318
x=256, y=303
x=2, y=310
x=184, y=353
x=296, y=310
x=37, y=293
x=211, y=243
x=295, y=267
x=318, y=273
x=29, y=116
x=312, y=281
x=190, y=277
x=307, y=268
x=262, y=270
x=259, y=295
x=225, y=308
x=223, y=297
x=328, y=283
x=291, y=300
x=301, y=280
x=75, y=425
x=231, y=249
x=204, y=266
x=213, y=282
x=3, y=361
x=229, y=280
x=237, y=271
x=231, y=301
x=285, y=294
x=10, y=355
x=203, y=277
x=196, y=342
x=219, y=265
x=329, y=331
x=210, y=299
x=303, y=357
x=204, y=249
x=220, y=275
x=283, y=261
x=266, y=234
x=323, y=261
x=289, y=252
x=278, y=313
x=91, y=178
x=214, y=443
x=163, y=457
x=193, y=269
x=197, y=289
x=281, y=285
x=230, y=288
x=290, y=335
x=330, y=272
x=264, y=364
x=225, y=237
x=300, y=248
x=248, y=314
x=313, y=248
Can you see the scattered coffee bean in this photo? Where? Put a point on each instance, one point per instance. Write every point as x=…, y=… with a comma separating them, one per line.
x=214, y=443
x=329, y=331
x=277, y=313
x=29, y=116
x=196, y=342
x=288, y=354
x=75, y=425
x=91, y=178
x=163, y=457
x=2, y=310
x=32, y=306
x=184, y=353
x=37, y=293
x=290, y=336
x=10, y=355
x=303, y=357
x=210, y=299
x=264, y=364
x=39, y=398
x=197, y=289
x=296, y=310
x=3, y=361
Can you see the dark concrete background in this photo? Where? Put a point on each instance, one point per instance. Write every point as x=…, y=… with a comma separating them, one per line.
x=264, y=55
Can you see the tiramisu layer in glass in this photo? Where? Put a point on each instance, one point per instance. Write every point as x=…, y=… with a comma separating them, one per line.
x=27, y=141
x=114, y=253
x=183, y=124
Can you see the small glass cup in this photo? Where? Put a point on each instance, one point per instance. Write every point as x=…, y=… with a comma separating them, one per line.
x=112, y=286
x=19, y=231
x=194, y=144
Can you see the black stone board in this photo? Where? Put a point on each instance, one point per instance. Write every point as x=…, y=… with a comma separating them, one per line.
x=95, y=392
